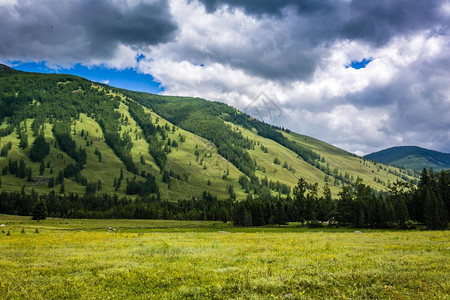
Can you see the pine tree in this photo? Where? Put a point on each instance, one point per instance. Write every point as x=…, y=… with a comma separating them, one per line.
x=300, y=200
x=280, y=217
x=247, y=219
x=39, y=149
x=42, y=168
x=444, y=187
x=39, y=210
x=401, y=211
x=62, y=190
x=51, y=183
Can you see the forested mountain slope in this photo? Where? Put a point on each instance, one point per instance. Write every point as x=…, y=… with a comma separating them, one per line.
x=66, y=134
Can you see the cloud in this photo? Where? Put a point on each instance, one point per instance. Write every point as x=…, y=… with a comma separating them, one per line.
x=233, y=55
x=295, y=51
x=373, y=21
x=65, y=32
x=288, y=40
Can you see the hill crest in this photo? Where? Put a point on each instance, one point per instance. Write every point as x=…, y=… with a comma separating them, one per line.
x=5, y=68
x=412, y=157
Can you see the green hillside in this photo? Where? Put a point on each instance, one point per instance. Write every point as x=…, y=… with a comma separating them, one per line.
x=412, y=157
x=65, y=134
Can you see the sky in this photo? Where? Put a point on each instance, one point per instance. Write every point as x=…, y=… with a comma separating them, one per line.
x=361, y=75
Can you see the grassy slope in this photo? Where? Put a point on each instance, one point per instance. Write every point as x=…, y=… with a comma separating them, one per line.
x=347, y=162
x=182, y=160
x=109, y=167
x=344, y=161
x=206, y=264
x=276, y=172
x=59, y=160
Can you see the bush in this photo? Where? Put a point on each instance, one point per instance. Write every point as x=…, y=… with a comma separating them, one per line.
x=315, y=224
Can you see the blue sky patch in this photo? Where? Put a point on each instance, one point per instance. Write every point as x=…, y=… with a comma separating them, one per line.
x=359, y=64
x=128, y=78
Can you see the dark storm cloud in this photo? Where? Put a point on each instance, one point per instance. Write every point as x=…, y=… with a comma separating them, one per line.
x=269, y=7
x=374, y=21
x=304, y=40
x=74, y=31
x=378, y=21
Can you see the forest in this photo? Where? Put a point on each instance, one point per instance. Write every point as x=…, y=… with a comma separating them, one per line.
x=358, y=205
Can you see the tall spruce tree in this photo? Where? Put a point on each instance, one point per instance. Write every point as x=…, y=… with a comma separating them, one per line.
x=39, y=210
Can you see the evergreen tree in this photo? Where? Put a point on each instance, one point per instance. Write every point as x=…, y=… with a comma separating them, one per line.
x=42, y=168
x=444, y=187
x=39, y=210
x=300, y=200
x=345, y=205
x=247, y=219
x=51, y=183
x=62, y=189
x=280, y=217
x=39, y=149
x=401, y=211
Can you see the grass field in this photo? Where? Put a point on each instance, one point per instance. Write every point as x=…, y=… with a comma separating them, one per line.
x=141, y=259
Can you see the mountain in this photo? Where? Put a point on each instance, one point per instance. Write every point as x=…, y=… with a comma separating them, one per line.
x=5, y=68
x=65, y=134
x=412, y=157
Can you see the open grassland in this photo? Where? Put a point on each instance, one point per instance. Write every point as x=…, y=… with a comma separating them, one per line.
x=139, y=259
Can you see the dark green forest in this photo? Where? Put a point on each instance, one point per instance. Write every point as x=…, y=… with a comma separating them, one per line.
x=358, y=205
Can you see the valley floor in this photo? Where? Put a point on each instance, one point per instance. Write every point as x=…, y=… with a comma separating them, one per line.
x=154, y=259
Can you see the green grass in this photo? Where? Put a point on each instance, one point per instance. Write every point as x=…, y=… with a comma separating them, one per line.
x=347, y=162
x=207, y=260
x=276, y=172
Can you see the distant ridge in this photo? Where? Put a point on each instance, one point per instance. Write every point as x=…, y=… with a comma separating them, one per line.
x=412, y=157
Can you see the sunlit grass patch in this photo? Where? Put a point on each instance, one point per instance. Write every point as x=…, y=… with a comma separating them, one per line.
x=210, y=261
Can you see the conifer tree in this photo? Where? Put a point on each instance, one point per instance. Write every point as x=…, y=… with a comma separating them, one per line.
x=42, y=168
x=39, y=210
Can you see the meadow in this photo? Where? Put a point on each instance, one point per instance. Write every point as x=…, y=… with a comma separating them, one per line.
x=154, y=259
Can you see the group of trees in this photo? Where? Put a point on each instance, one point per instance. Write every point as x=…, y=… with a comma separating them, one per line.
x=357, y=205
x=18, y=169
x=256, y=186
x=428, y=203
x=39, y=149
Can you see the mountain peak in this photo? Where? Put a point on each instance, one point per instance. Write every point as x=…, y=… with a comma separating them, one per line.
x=5, y=68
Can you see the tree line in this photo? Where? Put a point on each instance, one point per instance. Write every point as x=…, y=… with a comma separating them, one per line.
x=358, y=205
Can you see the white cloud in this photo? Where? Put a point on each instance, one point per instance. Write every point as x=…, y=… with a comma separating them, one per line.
x=235, y=51
x=337, y=104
